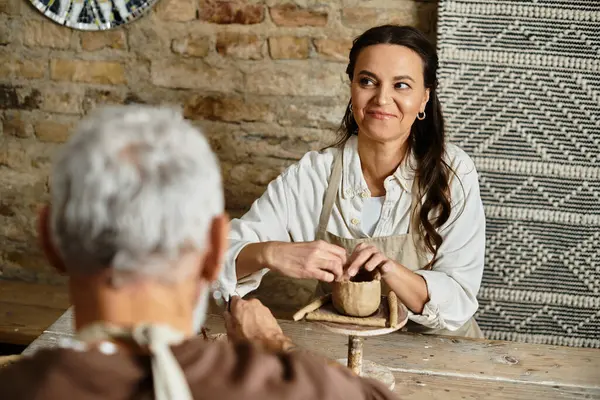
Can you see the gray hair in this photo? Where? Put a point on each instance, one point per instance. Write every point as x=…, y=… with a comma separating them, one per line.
x=133, y=189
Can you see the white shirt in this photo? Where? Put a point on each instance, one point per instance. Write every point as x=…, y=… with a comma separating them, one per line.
x=371, y=213
x=290, y=207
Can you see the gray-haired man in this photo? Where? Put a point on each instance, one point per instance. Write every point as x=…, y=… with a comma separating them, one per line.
x=137, y=223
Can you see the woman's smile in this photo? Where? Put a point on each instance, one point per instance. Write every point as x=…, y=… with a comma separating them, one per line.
x=380, y=115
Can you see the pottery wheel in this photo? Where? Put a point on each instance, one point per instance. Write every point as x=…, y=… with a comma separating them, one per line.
x=356, y=333
x=359, y=330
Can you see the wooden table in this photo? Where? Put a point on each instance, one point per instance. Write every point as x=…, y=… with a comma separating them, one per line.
x=436, y=367
x=27, y=309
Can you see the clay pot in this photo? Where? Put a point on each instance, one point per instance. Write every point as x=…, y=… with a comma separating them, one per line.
x=358, y=297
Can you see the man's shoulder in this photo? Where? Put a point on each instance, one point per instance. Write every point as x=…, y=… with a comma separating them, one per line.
x=25, y=378
x=223, y=368
x=81, y=373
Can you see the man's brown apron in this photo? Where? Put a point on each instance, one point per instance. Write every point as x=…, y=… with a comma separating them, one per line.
x=401, y=248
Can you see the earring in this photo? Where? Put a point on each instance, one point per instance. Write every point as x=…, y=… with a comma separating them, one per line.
x=350, y=106
x=421, y=116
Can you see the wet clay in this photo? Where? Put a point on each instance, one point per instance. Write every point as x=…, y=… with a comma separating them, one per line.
x=358, y=297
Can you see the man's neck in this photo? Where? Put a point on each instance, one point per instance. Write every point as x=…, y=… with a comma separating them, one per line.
x=95, y=300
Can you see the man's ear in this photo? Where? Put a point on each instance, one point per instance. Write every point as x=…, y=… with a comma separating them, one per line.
x=45, y=239
x=216, y=247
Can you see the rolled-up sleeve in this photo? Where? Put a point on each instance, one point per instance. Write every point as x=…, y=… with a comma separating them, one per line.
x=267, y=220
x=455, y=278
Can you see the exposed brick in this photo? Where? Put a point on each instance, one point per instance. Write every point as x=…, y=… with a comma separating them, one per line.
x=52, y=131
x=133, y=98
x=322, y=113
x=28, y=260
x=13, y=153
x=8, y=97
x=5, y=35
x=58, y=100
x=46, y=34
x=243, y=172
x=6, y=68
x=245, y=47
x=261, y=141
x=231, y=12
x=183, y=74
x=31, y=191
x=112, y=39
x=23, y=68
x=14, y=124
x=177, y=10
x=226, y=108
x=6, y=211
x=333, y=49
x=382, y=4
x=138, y=72
x=406, y=13
x=102, y=72
x=31, y=69
x=305, y=80
x=289, y=47
x=96, y=97
x=359, y=17
x=191, y=45
x=19, y=97
x=149, y=39
x=29, y=98
x=10, y=7
x=292, y=15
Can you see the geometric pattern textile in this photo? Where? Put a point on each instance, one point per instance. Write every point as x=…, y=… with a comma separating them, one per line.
x=520, y=87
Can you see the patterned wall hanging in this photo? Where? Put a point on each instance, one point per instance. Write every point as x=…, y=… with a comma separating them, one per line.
x=520, y=87
x=93, y=15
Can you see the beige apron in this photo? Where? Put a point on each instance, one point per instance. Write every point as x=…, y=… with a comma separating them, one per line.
x=403, y=249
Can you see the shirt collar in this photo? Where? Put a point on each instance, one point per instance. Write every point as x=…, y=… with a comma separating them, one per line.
x=353, y=181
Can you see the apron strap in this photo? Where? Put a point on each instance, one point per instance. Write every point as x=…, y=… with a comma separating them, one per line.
x=331, y=193
x=415, y=207
x=168, y=378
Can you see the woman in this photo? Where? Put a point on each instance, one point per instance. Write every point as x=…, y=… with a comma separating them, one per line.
x=391, y=194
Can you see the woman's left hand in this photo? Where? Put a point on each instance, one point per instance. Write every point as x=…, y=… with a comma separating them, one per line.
x=369, y=257
x=410, y=288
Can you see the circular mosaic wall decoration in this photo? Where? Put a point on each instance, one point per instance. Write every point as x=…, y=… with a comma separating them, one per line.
x=93, y=15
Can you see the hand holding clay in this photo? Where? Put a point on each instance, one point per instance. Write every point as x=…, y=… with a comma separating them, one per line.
x=308, y=260
x=410, y=287
x=368, y=257
x=250, y=320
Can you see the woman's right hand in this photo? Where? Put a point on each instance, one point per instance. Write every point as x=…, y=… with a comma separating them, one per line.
x=307, y=260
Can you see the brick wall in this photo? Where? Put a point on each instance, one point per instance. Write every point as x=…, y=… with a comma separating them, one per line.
x=263, y=78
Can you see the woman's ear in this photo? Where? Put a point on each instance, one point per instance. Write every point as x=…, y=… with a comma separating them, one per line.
x=45, y=239
x=425, y=100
